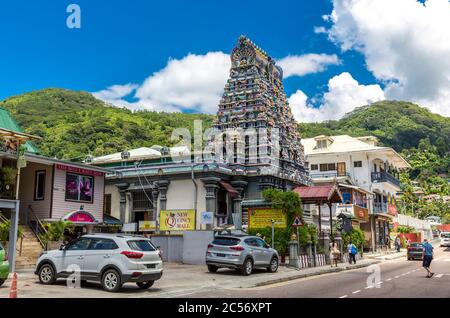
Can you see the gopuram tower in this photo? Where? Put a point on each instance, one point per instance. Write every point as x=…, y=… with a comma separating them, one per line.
x=254, y=99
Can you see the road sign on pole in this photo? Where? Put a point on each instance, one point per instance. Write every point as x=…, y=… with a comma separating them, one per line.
x=297, y=222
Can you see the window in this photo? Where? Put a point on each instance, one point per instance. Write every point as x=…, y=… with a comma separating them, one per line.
x=141, y=245
x=261, y=243
x=357, y=164
x=226, y=241
x=81, y=244
x=103, y=244
x=79, y=188
x=322, y=144
x=142, y=200
x=39, y=185
x=327, y=166
x=314, y=167
x=251, y=242
x=107, y=204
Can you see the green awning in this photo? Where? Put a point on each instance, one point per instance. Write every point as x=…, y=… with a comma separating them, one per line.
x=110, y=220
x=7, y=122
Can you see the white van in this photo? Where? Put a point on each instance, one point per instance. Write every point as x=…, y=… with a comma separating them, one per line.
x=445, y=238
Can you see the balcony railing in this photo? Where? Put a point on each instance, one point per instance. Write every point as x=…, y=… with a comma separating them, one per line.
x=384, y=176
x=319, y=175
x=379, y=207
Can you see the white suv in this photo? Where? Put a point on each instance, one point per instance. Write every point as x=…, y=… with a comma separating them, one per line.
x=112, y=259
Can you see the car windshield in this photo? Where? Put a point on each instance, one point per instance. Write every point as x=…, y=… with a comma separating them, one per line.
x=141, y=245
x=226, y=241
x=445, y=235
x=416, y=245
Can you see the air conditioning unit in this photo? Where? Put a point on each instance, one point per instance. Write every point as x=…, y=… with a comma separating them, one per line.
x=315, y=212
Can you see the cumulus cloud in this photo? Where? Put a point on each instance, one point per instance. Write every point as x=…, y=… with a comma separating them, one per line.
x=405, y=44
x=115, y=95
x=343, y=95
x=300, y=65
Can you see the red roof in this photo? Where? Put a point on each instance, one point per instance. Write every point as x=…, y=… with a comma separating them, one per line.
x=444, y=227
x=319, y=193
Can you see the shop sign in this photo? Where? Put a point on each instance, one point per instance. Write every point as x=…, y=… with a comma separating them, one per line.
x=81, y=217
x=145, y=226
x=206, y=218
x=259, y=218
x=345, y=209
x=392, y=208
x=177, y=220
x=79, y=170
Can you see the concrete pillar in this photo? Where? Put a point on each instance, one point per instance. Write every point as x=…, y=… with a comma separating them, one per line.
x=123, y=199
x=14, y=228
x=240, y=186
x=211, y=187
x=293, y=254
x=163, y=185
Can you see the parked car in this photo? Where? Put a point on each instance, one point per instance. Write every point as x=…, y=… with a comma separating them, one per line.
x=241, y=252
x=445, y=238
x=415, y=251
x=111, y=259
x=4, y=265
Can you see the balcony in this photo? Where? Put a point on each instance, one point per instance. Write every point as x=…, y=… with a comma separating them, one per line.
x=379, y=207
x=331, y=175
x=384, y=176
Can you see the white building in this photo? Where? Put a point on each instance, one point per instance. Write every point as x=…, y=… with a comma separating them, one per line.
x=361, y=163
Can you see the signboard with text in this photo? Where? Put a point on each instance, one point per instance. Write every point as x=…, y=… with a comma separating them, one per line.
x=177, y=220
x=145, y=226
x=259, y=218
x=72, y=169
x=207, y=218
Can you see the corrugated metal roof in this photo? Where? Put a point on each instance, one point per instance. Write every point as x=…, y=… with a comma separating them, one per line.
x=323, y=192
x=7, y=122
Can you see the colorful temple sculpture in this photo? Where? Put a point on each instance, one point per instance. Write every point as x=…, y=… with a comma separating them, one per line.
x=254, y=99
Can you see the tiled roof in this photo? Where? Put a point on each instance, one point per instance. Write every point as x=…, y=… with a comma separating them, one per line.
x=324, y=192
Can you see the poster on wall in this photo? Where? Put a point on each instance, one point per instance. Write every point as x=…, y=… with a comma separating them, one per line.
x=177, y=220
x=259, y=218
x=147, y=226
x=206, y=217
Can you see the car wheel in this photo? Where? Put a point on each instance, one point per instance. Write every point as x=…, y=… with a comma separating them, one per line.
x=47, y=274
x=111, y=280
x=145, y=285
x=247, y=267
x=1, y=282
x=212, y=268
x=273, y=265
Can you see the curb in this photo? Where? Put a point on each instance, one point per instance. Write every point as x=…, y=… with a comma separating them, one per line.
x=304, y=275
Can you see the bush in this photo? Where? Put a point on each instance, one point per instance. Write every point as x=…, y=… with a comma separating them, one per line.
x=282, y=237
x=356, y=236
x=4, y=231
x=55, y=231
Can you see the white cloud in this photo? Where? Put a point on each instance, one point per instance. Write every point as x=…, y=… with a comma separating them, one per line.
x=343, y=95
x=114, y=95
x=405, y=44
x=300, y=65
x=320, y=29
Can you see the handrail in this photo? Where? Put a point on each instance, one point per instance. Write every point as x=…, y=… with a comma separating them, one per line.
x=39, y=226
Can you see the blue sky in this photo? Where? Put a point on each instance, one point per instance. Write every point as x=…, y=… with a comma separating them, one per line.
x=123, y=42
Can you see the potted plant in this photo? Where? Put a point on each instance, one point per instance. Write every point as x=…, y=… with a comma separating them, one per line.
x=55, y=231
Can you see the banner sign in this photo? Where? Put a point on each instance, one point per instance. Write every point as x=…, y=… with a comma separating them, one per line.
x=207, y=218
x=259, y=218
x=177, y=220
x=78, y=170
x=145, y=226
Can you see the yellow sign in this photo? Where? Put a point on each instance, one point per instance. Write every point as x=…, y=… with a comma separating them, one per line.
x=259, y=218
x=177, y=220
x=147, y=226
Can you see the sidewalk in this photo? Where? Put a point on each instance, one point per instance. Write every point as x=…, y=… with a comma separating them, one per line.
x=383, y=255
x=178, y=280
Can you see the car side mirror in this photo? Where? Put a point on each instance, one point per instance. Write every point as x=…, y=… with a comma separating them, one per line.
x=267, y=246
x=62, y=247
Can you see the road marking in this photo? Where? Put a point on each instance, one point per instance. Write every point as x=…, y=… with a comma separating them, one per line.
x=343, y=296
x=397, y=276
x=388, y=279
x=439, y=275
x=379, y=283
x=447, y=260
x=356, y=291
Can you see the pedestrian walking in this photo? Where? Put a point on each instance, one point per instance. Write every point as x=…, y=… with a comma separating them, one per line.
x=352, y=250
x=388, y=243
x=334, y=253
x=398, y=243
x=427, y=257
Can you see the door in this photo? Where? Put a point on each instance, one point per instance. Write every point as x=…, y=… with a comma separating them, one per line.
x=254, y=250
x=264, y=251
x=99, y=254
x=73, y=255
x=341, y=171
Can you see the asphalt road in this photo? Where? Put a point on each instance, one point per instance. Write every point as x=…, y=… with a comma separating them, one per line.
x=398, y=278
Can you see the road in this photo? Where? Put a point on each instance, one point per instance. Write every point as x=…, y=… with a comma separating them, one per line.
x=398, y=278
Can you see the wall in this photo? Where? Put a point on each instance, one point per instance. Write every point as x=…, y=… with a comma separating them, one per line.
x=115, y=200
x=171, y=247
x=180, y=195
x=61, y=207
x=26, y=192
x=195, y=244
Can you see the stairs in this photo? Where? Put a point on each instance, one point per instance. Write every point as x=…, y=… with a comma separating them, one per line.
x=31, y=249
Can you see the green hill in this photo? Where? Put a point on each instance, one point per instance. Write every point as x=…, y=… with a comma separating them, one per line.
x=72, y=124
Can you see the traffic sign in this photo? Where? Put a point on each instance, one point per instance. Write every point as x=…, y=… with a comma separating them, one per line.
x=297, y=222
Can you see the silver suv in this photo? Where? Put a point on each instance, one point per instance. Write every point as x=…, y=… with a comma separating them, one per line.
x=112, y=259
x=242, y=252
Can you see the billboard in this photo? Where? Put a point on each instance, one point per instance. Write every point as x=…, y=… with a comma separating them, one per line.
x=145, y=226
x=177, y=220
x=262, y=217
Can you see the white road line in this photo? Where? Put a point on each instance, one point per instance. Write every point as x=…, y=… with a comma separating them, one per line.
x=379, y=283
x=356, y=291
x=343, y=296
x=439, y=275
x=388, y=279
x=447, y=260
x=397, y=276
